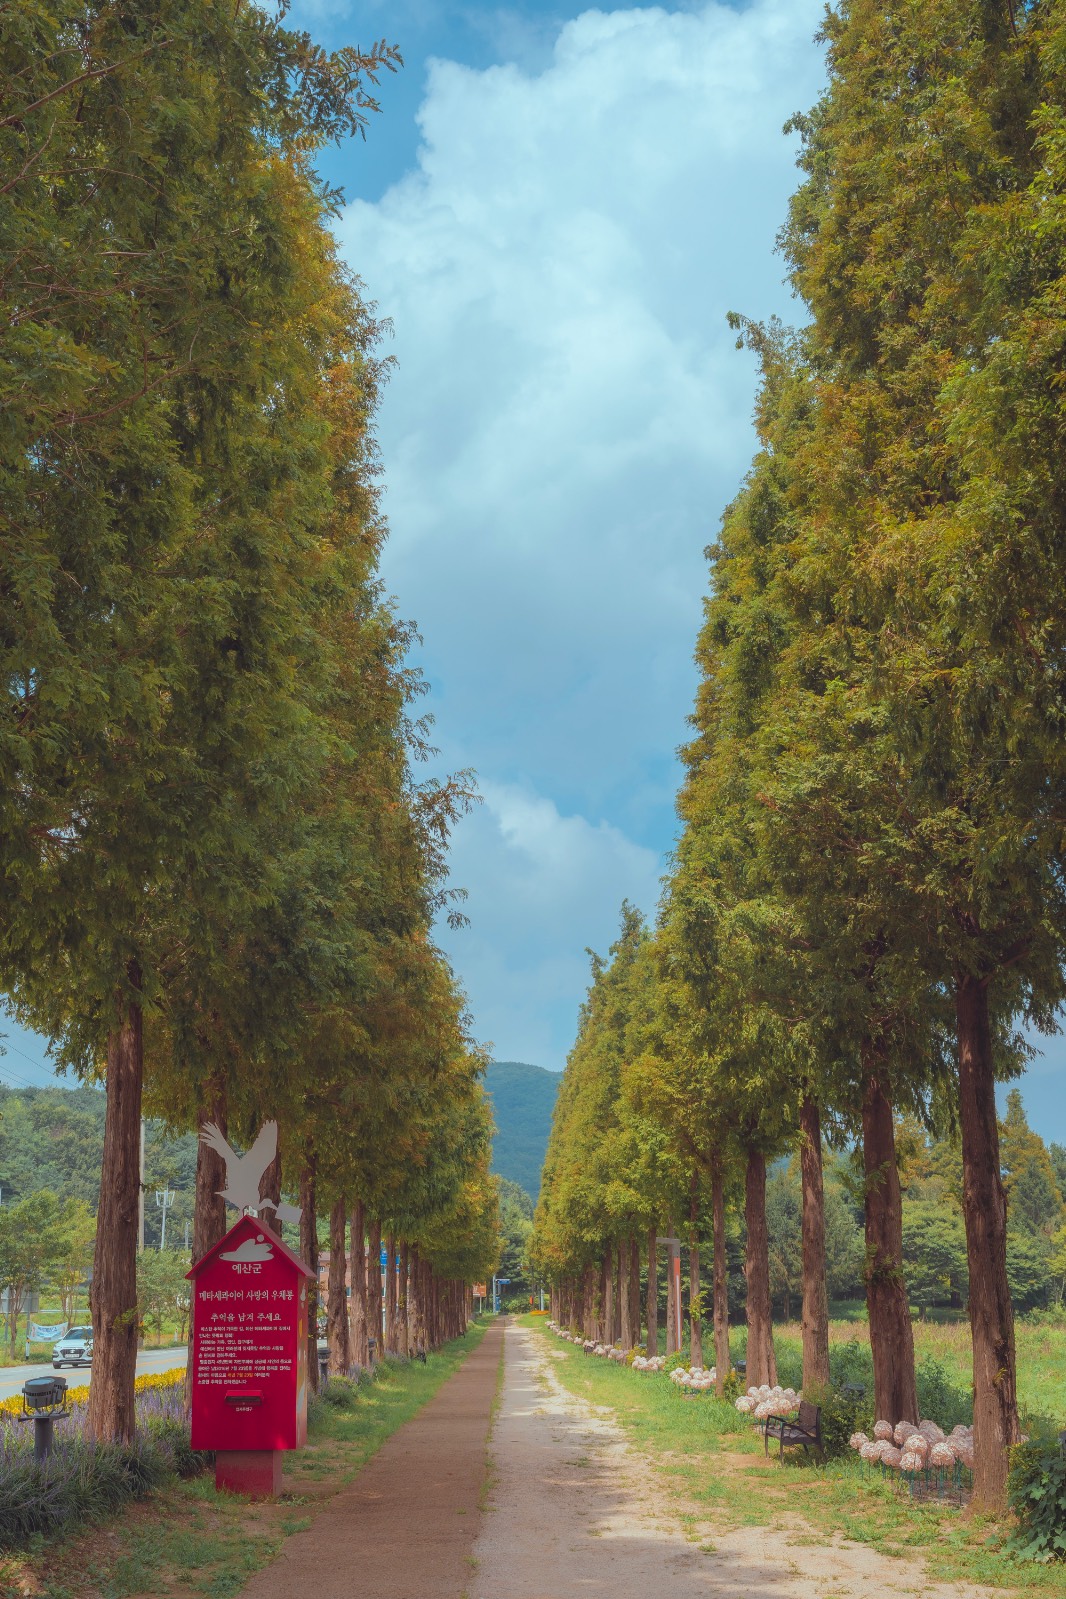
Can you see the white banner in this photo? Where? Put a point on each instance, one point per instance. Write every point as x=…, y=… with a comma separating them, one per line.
x=45, y=1335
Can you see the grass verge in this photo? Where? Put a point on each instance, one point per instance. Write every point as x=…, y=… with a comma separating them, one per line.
x=189, y=1542
x=713, y=1465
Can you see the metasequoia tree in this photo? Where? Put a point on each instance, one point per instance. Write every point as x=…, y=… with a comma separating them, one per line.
x=918, y=545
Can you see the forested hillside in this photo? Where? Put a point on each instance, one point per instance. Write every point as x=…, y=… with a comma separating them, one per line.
x=523, y=1099
x=53, y=1138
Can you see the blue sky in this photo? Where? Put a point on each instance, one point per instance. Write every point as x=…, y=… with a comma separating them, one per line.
x=557, y=208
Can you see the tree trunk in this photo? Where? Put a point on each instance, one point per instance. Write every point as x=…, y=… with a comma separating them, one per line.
x=984, y=1207
x=113, y=1295
x=390, y=1294
x=209, y=1208
x=607, y=1312
x=721, y=1277
x=339, y=1333
x=652, y=1309
x=590, y=1326
x=403, y=1328
x=309, y=1255
x=357, y=1271
x=695, y=1308
x=416, y=1332
x=634, y=1288
x=761, y=1360
x=373, y=1287
x=815, y=1300
x=619, y=1294
x=270, y=1188
x=891, y=1337
x=625, y=1297
x=672, y=1290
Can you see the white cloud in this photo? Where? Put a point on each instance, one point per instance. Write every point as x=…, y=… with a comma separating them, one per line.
x=568, y=417
x=542, y=888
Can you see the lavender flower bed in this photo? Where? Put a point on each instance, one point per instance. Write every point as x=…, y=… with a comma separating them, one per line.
x=83, y=1481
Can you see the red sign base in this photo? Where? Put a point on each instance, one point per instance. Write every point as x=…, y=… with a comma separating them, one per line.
x=256, y=1473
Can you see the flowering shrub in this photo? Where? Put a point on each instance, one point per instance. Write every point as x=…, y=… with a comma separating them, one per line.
x=79, y=1396
x=83, y=1480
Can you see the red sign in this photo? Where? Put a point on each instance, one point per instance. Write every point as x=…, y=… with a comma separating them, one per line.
x=249, y=1342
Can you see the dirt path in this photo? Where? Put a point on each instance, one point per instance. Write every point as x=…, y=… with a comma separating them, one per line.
x=571, y=1514
x=405, y=1526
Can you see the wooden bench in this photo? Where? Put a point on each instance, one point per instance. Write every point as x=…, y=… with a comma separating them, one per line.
x=805, y=1430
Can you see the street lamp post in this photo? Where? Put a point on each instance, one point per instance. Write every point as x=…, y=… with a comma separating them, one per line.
x=164, y=1198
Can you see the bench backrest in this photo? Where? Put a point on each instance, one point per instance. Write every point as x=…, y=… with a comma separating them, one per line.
x=810, y=1416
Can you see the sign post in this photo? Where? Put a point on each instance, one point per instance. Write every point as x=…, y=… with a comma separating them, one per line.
x=249, y=1356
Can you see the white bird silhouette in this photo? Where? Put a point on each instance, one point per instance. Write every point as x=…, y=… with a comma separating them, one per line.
x=244, y=1173
x=282, y=1211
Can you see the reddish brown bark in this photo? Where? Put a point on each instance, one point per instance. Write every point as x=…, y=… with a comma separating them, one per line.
x=113, y=1295
x=695, y=1309
x=721, y=1277
x=652, y=1308
x=390, y=1294
x=373, y=1288
x=270, y=1188
x=589, y=1319
x=416, y=1336
x=403, y=1325
x=984, y=1206
x=625, y=1297
x=891, y=1337
x=357, y=1271
x=309, y=1255
x=337, y=1328
x=815, y=1299
x=761, y=1359
x=607, y=1300
x=209, y=1208
x=671, y=1301
x=619, y=1300
x=634, y=1288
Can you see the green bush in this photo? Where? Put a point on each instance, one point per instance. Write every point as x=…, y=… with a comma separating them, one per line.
x=939, y=1399
x=842, y=1414
x=171, y=1437
x=1036, y=1490
x=675, y=1360
x=732, y=1387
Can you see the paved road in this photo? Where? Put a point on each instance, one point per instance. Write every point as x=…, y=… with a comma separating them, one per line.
x=13, y=1377
x=403, y=1529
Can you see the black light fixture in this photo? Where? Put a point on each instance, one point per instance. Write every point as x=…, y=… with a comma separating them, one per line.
x=43, y=1402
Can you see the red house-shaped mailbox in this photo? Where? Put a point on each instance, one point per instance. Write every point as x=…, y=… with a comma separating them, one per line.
x=249, y=1360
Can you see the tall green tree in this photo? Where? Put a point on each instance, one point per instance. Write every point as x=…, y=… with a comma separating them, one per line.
x=155, y=381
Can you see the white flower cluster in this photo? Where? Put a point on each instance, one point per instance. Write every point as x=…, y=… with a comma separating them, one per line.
x=589, y=1345
x=766, y=1401
x=696, y=1379
x=913, y=1447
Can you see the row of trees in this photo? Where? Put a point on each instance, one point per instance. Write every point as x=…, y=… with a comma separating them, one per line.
x=868, y=892
x=219, y=875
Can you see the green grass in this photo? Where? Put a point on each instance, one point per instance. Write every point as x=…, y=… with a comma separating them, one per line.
x=1041, y=1356
x=712, y=1461
x=191, y=1541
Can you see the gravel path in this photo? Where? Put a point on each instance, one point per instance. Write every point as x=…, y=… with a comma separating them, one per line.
x=571, y=1515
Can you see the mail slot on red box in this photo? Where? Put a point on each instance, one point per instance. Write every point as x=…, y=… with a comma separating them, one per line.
x=249, y=1343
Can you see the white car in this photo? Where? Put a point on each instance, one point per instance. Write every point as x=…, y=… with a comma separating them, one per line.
x=75, y=1349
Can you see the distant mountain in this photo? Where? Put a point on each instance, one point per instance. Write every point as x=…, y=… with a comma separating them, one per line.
x=523, y=1098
